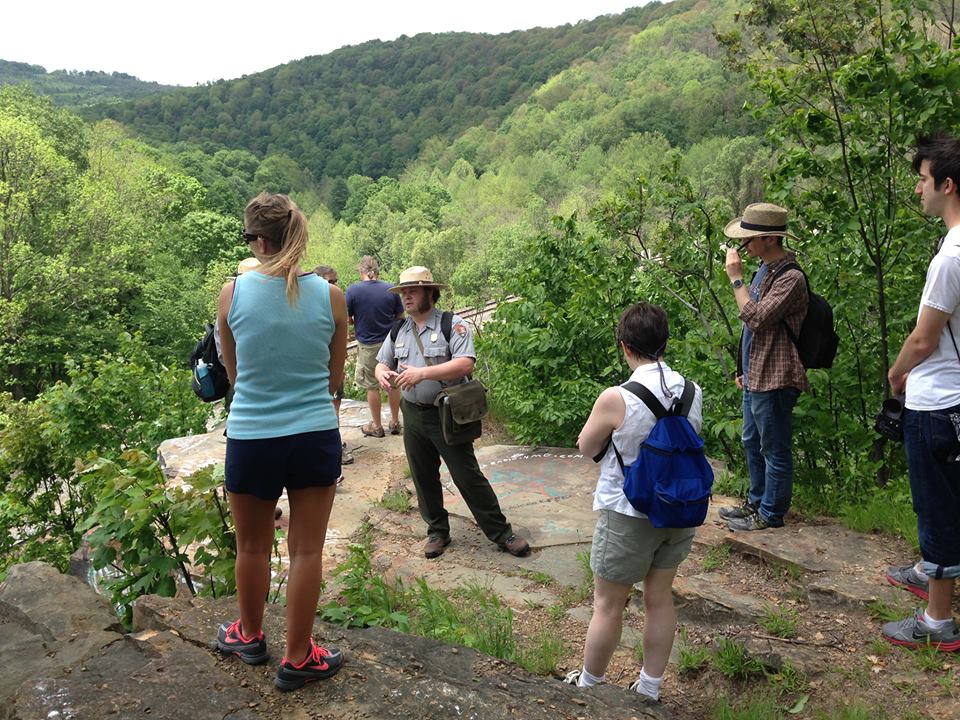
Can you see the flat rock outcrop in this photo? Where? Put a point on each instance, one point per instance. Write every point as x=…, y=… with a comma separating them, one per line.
x=65, y=657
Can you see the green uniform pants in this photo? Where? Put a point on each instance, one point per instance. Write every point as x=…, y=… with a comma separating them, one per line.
x=424, y=444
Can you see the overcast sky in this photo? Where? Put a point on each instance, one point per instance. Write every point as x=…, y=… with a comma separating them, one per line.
x=184, y=43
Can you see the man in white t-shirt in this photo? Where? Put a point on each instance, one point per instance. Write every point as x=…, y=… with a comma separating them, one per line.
x=928, y=371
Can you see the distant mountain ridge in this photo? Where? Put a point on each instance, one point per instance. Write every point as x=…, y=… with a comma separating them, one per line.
x=78, y=88
x=369, y=109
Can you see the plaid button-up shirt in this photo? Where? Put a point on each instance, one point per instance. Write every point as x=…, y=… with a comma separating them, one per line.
x=774, y=362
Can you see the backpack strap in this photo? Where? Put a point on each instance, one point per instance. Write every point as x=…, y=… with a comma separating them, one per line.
x=395, y=330
x=686, y=398
x=780, y=271
x=649, y=399
x=446, y=324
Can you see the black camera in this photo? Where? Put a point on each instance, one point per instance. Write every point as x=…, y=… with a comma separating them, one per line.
x=889, y=421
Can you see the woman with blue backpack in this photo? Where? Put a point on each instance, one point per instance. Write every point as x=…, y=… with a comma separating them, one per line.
x=630, y=546
x=283, y=333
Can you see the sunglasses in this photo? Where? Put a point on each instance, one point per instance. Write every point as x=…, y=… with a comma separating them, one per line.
x=249, y=237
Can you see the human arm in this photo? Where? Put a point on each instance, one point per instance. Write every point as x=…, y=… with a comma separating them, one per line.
x=454, y=369
x=228, y=345
x=734, y=270
x=338, y=343
x=607, y=415
x=917, y=347
x=785, y=296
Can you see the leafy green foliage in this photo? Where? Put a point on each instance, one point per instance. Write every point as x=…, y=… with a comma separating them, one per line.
x=114, y=403
x=151, y=536
x=553, y=350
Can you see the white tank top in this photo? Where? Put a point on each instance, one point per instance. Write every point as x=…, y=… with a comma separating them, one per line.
x=637, y=423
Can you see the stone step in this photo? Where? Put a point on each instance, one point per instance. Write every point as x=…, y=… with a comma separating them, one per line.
x=708, y=598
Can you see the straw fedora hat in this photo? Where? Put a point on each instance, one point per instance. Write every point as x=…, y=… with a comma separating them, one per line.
x=759, y=219
x=246, y=265
x=416, y=276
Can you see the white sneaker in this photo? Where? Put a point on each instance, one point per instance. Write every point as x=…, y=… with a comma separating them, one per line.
x=572, y=677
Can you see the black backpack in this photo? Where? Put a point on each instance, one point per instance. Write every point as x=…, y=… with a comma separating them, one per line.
x=446, y=326
x=210, y=381
x=817, y=342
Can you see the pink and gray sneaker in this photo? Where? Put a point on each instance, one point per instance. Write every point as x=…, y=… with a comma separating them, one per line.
x=321, y=663
x=230, y=641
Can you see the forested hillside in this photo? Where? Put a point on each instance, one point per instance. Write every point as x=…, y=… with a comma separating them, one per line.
x=78, y=88
x=370, y=108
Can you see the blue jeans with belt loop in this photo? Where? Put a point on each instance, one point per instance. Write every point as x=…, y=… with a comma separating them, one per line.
x=932, y=446
x=768, y=442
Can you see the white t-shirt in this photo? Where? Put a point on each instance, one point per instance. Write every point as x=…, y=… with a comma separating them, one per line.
x=637, y=423
x=934, y=384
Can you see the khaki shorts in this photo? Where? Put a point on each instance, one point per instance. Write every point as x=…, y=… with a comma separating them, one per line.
x=625, y=548
x=364, y=376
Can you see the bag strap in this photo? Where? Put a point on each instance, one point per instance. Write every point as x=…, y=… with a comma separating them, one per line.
x=955, y=348
x=780, y=271
x=648, y=398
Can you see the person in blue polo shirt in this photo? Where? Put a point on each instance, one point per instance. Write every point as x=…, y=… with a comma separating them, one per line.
x=373, y=309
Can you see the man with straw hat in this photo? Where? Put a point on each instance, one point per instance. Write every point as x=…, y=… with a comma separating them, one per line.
x=421, y=361
x=769, y=370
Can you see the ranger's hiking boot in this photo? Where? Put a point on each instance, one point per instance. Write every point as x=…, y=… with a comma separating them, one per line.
x=230, y=641
x=434, y=546
x=515, y=545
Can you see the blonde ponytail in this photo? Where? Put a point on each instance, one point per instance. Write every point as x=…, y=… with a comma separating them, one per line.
x=277, y=218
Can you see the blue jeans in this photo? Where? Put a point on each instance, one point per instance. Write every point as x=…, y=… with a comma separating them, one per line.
x=932, y=445
x=768, y=441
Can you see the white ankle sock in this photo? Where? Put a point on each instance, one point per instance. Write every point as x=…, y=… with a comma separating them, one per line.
x=588, y=680
x=649, y=686
x=935, y=624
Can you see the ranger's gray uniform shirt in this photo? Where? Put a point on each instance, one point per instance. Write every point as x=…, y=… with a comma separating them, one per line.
x=435, y=351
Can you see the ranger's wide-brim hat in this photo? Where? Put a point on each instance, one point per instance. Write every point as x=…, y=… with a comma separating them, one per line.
x=416, y=276
x=246, y=265
x=759, y=219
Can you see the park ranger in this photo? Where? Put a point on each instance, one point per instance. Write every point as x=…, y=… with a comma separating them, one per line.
x=421, y=370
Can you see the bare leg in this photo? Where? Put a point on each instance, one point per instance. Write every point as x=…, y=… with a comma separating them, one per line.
x=940, y=606
x=373, y=401
x=309, y=513
x=606, y=625
x=253, y=518
x=660, y=620
x=393, y=397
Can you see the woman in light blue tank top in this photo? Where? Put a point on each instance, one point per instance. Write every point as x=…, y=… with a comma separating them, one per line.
x=283, y=334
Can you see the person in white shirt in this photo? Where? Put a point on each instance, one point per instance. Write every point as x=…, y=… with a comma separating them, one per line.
x=927, y=371
x=627, y=549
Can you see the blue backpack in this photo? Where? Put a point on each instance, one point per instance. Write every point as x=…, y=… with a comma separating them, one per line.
x=670, y=481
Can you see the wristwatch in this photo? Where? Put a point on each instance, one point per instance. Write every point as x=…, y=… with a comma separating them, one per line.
x=738, y=283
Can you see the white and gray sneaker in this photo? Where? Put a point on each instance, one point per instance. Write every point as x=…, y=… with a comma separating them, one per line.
x=913, y=632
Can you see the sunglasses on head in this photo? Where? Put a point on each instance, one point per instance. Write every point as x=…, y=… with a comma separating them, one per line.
x=249, y=237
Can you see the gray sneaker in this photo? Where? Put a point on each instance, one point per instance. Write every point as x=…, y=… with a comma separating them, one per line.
x=751, y=522
x=907, y=577
x=914, y=633
x=739, y=512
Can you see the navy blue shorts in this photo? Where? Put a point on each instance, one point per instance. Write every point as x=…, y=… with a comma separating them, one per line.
x=931, y=445
x=265, y=467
